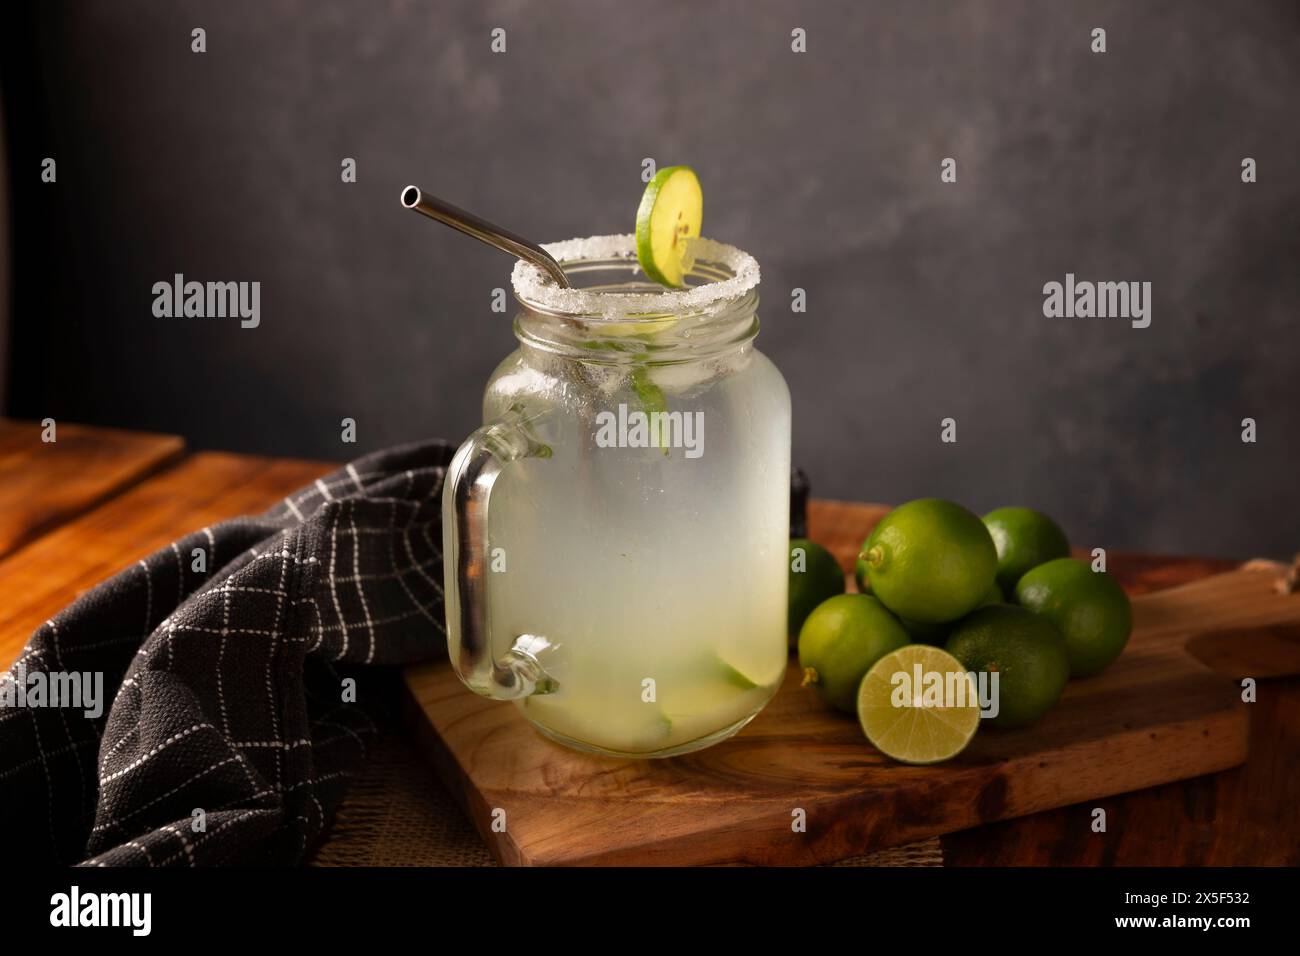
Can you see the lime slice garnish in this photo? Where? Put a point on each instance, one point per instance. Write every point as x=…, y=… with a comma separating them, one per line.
x=915, y=721
x=670, y=214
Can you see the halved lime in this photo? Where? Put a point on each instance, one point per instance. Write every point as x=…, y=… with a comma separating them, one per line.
x=670, y=214
x=918, y=705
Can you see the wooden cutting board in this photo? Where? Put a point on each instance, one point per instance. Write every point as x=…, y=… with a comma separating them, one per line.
x=1158, y=714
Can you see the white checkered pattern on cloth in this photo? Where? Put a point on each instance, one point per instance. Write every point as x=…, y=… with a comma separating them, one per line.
x=226, y=687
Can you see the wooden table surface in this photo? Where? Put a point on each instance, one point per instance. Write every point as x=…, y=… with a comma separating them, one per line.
x=76, y=511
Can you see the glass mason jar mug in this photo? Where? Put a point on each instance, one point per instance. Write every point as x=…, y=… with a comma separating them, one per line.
x=627, y=585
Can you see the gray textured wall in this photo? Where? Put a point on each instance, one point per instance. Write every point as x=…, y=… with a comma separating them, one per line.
x=924, y=298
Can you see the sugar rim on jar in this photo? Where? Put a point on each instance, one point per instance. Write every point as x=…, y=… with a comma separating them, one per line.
x=535, y=288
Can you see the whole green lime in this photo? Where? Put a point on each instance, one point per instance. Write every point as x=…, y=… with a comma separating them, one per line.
x=1024, y=650
x=815, y=575
x=1088, y=607
x=840, y=641
x=930, y=560
x=1025, y=538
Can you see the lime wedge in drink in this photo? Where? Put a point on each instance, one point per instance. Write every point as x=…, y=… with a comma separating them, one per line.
x=595, y=719
x=708, y=686
x=918, y=705
x=733, y=677
x=709, y=695
x=670, y=215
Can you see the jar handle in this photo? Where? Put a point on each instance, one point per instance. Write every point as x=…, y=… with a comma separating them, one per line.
x=466, y=492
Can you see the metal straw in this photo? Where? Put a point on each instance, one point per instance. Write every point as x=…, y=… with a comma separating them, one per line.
x=413, y=197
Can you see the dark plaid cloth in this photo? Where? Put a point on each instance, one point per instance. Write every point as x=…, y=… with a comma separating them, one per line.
x=228, y=686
